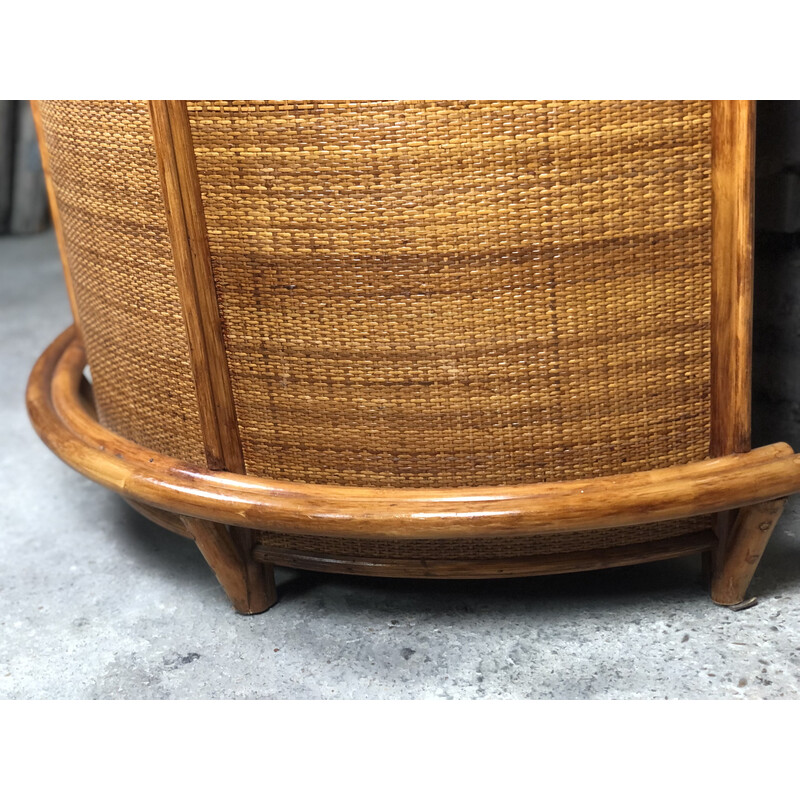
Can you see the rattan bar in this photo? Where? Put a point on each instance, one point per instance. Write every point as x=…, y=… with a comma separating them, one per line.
x=422, y=339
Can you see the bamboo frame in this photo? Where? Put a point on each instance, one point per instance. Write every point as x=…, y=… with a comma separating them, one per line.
x=732, y=170
x=747, y=541
x=57, y=411
x=223, y=554
x=733, y=154
x=198, y=502
x=253, y=590
x=190, y=252
x=550, y=564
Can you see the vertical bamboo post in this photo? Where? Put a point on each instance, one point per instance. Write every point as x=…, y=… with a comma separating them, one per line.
x=740, y=540
x=733, y=152
x=183, y=202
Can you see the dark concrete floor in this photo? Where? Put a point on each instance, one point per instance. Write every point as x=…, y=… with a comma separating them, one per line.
x=95, y=602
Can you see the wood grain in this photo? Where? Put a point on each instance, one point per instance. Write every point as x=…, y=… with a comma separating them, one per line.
x=733, y=149
x=746, y=543
x=220, y=551
x=276, y=248
x=165, y=519
x=550, y=564
x=57, y=412
x=187, y=230
x=733, y=159
x=249, y=584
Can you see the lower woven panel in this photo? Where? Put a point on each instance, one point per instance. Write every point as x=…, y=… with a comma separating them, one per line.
x=485, y=548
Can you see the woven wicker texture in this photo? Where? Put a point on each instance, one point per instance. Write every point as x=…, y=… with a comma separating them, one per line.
x=483, y=549
x=461, y=293
x=109, y=200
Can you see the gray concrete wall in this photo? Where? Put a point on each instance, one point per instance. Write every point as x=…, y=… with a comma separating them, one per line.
x=23, y=196
x=778, y=166
x=776, y=313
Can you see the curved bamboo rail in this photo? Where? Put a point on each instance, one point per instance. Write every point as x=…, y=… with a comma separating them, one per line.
x=57, y=408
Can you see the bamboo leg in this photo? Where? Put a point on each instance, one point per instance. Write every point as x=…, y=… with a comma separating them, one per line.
x=722, y=525
x=736, y=564
x=250, y=585
x=258, y=574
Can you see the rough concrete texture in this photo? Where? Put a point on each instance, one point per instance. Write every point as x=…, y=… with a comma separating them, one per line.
x=95, y=602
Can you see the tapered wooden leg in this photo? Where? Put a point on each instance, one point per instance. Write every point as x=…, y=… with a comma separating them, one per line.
x=259, y=574
x=722, y=525
x=250, y=585
x=736, y=563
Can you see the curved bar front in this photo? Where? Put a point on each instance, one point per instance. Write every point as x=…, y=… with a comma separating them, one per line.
x=59, y=415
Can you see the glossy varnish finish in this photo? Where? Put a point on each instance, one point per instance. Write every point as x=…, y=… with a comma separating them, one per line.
x=328, y=511
x=369, y=367
x=744, y=547
x=250, y=586
x=187, y=229
x=733, y=153
x=733, y=161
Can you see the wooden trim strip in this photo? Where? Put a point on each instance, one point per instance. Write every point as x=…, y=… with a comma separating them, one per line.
x=54, y=214
x=549, y=564
x=187, y=229
x=733, y=153
x=165, y=519
x=183, y=201
x=57, y=411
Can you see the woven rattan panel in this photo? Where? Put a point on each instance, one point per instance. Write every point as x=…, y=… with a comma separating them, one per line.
x=453, y=293
x=484, y=549
x=107, y=190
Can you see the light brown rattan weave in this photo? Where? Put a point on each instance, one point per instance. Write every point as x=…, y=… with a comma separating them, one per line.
x=107, y=188
x=484, y=549
x=433, y=294
x=412, y=294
